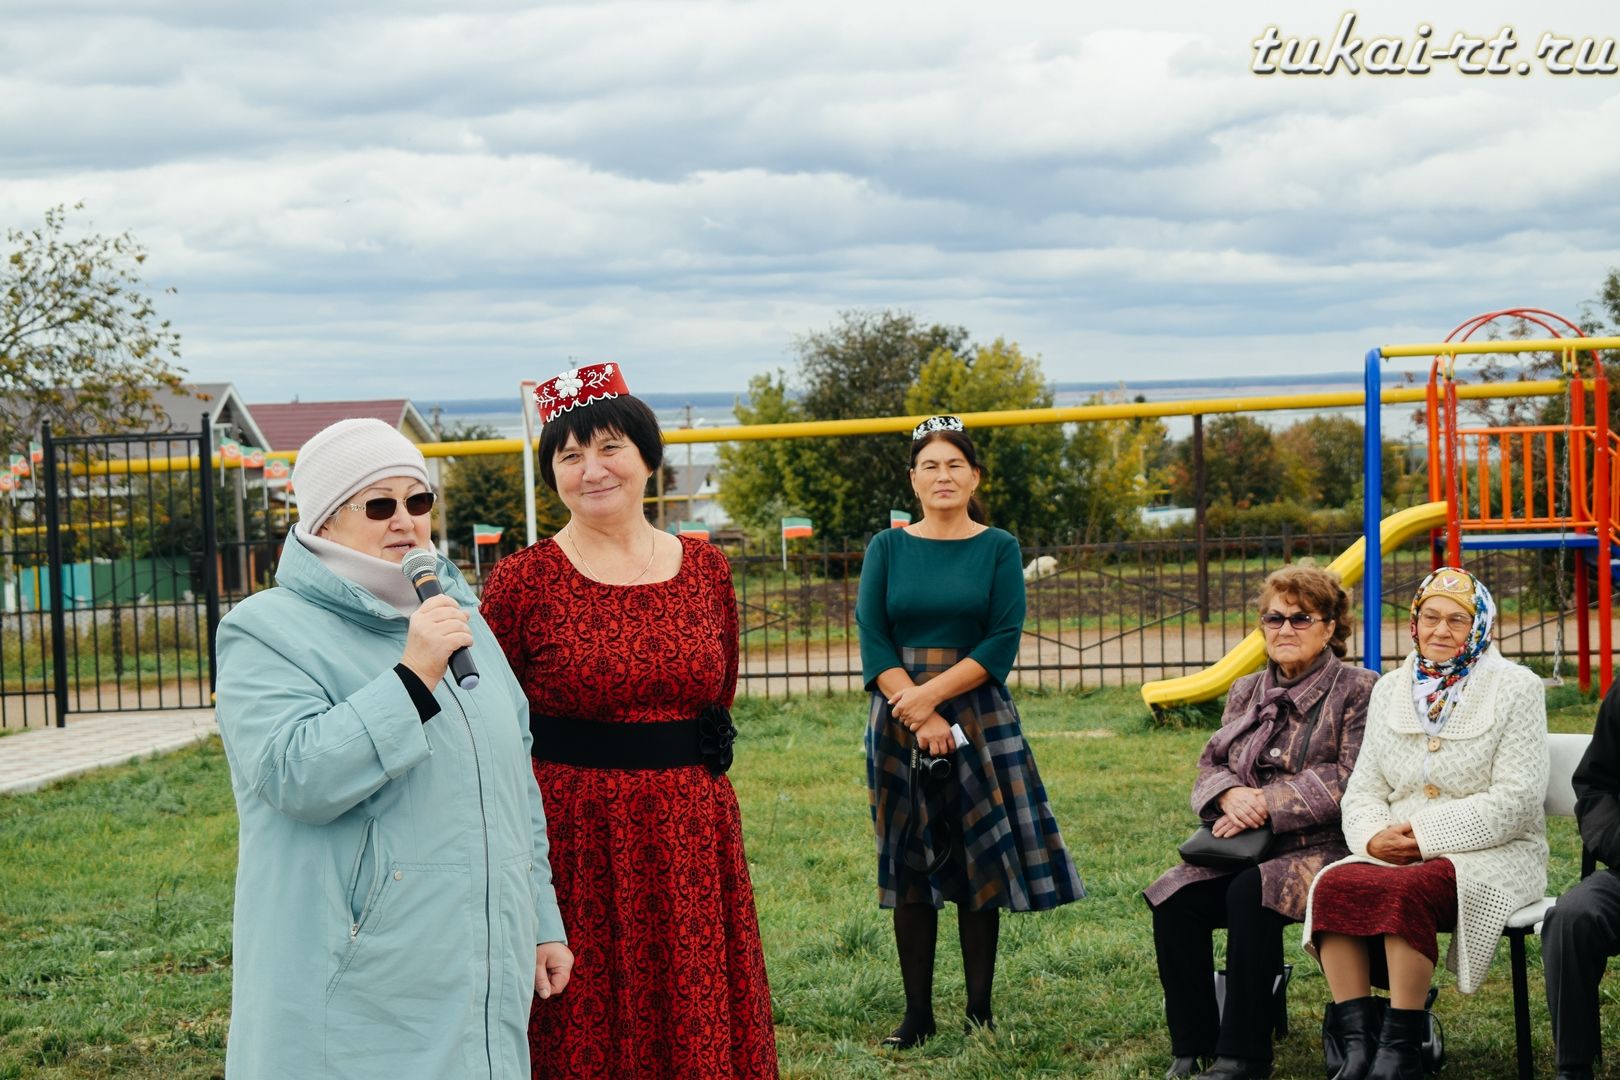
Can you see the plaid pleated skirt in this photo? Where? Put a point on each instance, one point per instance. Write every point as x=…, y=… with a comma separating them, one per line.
x=990, y=814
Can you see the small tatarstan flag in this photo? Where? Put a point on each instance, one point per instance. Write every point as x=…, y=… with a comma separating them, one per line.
x=230, y=450
x=19, y=465
x=253, y=457
x=693, y=528
x=794, y=527
x=276, y=469
x=7, y=481
x=487, y=534
x=899, y=519
x=36, y=453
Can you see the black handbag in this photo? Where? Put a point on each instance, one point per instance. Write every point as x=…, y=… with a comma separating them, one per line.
x=1248, y=848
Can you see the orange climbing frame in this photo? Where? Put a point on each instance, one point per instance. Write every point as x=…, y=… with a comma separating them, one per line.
x=1507, y=478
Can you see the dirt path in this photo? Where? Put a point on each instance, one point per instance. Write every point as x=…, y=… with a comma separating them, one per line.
x=1051, y=659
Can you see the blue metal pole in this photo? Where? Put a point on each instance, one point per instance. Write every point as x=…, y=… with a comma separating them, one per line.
x=1372, y=515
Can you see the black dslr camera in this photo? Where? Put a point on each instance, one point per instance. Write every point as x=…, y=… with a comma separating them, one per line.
x=935, y=770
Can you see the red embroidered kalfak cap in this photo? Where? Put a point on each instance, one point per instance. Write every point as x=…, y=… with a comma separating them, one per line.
x=580, y=386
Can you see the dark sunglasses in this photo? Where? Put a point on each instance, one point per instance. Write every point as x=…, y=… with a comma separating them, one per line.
x=1299, y=620
x=381, y=509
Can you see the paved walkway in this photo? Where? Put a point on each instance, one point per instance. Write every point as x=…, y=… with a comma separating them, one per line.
x=38, y=756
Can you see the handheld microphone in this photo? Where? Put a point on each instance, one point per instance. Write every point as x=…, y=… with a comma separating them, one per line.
x=421, y=570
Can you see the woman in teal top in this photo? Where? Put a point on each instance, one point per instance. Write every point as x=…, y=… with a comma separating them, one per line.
x=957, y=803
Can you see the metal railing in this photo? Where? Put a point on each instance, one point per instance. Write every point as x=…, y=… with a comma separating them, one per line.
x=110, y=596
x=1115, y=613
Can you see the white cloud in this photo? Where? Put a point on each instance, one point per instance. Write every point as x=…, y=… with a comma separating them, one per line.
x=356, y=196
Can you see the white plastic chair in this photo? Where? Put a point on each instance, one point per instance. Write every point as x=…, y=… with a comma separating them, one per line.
x=1564, y=752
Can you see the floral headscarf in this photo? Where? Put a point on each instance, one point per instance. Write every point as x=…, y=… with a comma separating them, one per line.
x=1439, y=684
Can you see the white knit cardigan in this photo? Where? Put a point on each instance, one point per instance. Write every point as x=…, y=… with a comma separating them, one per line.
x=1491, y=771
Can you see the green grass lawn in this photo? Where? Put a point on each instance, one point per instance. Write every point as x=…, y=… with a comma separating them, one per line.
x=115, y=899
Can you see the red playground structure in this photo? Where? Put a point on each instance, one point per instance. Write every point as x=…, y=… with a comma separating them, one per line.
x=1538, y=486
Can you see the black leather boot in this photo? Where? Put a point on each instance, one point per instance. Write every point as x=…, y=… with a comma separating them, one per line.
x=1182, y=1068
x=1400, y=1045
x=1231, y=1068
x=1356, y=1024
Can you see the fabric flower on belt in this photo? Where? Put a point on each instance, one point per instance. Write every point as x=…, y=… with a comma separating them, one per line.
x=716, y=733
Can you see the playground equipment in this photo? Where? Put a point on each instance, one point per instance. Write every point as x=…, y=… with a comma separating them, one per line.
x=1250, y=653
x=1492, y=487
x=1564, y=482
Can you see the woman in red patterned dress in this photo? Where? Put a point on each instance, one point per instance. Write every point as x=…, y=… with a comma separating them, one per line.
x=625, y=639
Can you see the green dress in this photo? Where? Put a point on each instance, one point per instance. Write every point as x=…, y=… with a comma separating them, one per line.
x=924, y=605
x=948, y=594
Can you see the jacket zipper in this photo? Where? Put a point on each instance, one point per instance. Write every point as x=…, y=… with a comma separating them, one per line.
x=354, y=878
x=483, y=820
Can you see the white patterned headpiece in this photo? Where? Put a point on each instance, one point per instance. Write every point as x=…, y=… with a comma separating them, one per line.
x=936, y=423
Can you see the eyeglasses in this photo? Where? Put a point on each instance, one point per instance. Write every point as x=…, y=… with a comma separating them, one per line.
x=381, y=509
x=1299, y=620
x=1457, y=620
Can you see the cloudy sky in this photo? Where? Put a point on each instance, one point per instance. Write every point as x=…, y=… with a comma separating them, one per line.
x=369, y=198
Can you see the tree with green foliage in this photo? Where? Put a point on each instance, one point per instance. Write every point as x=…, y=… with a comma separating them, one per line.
x=1241, y=464
x=487, y=489
x=862, y=366
x=1321, y=460
x=1110, y=472
x=1040, y=480
x=763, y=480
x=81, y=342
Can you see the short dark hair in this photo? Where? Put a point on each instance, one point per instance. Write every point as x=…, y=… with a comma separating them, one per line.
x=625, y=415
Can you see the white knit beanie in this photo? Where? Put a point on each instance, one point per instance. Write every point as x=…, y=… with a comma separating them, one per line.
x=342, y=459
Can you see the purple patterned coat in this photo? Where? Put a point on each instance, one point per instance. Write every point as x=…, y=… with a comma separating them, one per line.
x=1302, y=784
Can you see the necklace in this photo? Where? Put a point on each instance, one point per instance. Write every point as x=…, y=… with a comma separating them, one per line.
x=594, y=576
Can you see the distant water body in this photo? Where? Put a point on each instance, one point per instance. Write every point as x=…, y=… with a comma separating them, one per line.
x=716, y=409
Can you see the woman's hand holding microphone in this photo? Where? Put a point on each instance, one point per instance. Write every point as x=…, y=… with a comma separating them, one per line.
x=438, y=628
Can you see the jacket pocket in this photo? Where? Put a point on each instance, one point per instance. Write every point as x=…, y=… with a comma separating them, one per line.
x=363, y=878
x=515, y=930
x=401, y=1000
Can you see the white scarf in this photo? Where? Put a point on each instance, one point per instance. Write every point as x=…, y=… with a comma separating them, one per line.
x=379, y=577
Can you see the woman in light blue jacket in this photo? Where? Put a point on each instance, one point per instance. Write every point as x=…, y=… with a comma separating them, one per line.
x=394, y=908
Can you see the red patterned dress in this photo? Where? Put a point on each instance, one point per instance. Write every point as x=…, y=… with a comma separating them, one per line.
x=648, y=864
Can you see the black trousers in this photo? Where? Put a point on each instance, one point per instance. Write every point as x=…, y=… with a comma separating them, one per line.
x=1577, y=938
x=1183, y=936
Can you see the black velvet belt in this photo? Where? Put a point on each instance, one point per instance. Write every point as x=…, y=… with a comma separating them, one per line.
x=675, y=744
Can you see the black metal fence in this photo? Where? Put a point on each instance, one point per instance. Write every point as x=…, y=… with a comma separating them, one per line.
x=26, y=664
x=145, y=556
x=1117, y=613
x=110, y=578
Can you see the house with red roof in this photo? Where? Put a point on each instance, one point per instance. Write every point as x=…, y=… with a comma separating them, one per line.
x=289, y=425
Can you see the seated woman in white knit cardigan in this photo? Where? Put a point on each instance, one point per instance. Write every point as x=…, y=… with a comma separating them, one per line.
x=1443, y=818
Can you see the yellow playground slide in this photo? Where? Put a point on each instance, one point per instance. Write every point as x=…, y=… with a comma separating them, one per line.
x=1250, y=653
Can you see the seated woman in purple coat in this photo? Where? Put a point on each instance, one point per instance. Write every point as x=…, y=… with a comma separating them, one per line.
x=1285, y=748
